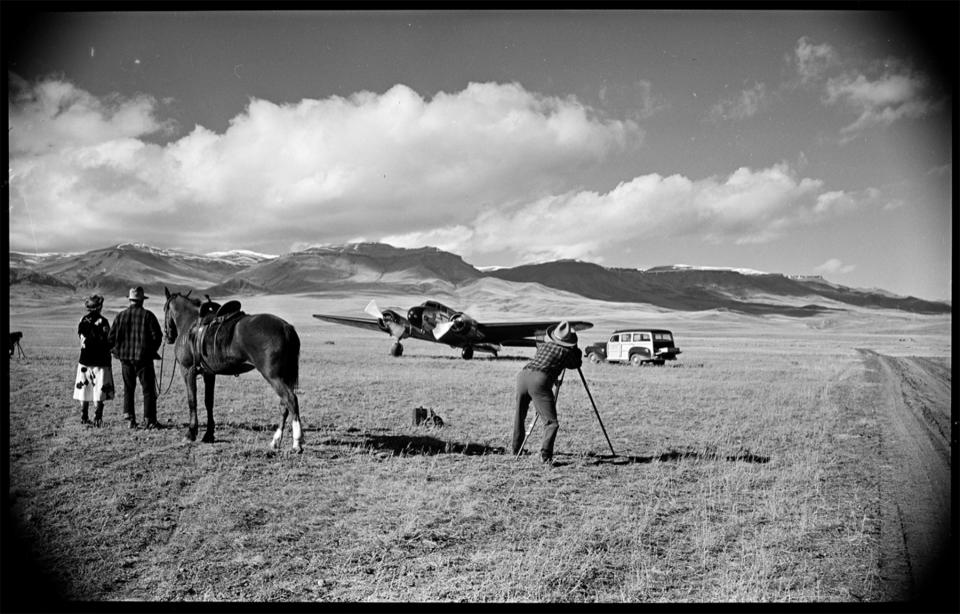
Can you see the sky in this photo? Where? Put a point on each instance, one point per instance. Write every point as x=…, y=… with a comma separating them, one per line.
x=802, y=142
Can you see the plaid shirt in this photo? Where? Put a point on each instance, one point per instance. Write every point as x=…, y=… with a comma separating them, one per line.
x=135, y=334
x=552, y=358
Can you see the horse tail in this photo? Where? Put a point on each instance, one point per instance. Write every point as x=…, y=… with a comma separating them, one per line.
x=291, y=375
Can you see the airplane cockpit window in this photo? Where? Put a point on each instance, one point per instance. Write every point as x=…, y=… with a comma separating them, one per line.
x=439, y=307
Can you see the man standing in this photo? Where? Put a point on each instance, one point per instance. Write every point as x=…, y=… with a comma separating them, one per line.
x=136, y=336
x=535, y=382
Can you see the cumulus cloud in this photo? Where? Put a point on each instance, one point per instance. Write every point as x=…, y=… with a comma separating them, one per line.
x=370, y=164
x=54, y=114
x=745, y=104
x=491, y=169
x=748, y=206
x=834, y=266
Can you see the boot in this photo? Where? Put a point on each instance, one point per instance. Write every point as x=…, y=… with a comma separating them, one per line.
x=84, y=418
x=151, y=422
x=98, y=415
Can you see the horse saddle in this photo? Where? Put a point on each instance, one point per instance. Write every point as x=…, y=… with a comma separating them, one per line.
x=214, y=335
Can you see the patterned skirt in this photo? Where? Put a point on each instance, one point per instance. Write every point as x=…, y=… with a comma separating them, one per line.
x=93, y=383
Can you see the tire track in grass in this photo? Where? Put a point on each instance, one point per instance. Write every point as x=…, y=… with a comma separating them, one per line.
x=914, y=480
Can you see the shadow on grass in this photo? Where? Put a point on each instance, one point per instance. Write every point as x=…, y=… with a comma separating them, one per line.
x=426, y=445
x=677, y=455
x=477, y=358
x=413, y=445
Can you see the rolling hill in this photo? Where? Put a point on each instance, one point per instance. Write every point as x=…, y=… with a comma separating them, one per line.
x=360, y=267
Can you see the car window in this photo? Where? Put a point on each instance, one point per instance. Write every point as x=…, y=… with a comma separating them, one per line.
x=615, y=339
x=664, y=337
x=641, y=336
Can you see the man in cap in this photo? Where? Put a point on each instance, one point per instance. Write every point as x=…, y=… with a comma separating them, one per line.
x=136, y=336
x=535, y=382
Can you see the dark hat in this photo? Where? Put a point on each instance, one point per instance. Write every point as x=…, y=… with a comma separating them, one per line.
x=93, y=302
x=136, y=294
x=562, y=334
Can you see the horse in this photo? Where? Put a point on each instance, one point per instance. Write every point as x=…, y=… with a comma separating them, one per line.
x=262, y=341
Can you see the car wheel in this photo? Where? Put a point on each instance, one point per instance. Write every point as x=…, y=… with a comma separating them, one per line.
x=396, y=350
x=594, y=358
x=637, y=360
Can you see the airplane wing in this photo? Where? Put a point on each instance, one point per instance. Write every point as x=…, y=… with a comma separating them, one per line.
x=367, y=323
x=521, y=334
x=389, y=322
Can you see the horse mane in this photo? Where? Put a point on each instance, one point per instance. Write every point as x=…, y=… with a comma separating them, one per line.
x=193, y=300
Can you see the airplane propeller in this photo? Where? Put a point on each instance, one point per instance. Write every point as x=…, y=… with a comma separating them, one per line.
x=398, y=330
x=373, y=310
x=442, y=329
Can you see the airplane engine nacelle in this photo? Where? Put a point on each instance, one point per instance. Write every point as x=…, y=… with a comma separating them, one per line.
x=415, y=316
x=463, y=324
x=394, y=323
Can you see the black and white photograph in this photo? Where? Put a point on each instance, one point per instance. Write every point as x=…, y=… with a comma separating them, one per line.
x=374, y=304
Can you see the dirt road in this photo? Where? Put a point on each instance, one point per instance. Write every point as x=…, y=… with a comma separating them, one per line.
x=918, y=552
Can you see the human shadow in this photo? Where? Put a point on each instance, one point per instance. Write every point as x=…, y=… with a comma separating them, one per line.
x=677, y=456
x=413, y=445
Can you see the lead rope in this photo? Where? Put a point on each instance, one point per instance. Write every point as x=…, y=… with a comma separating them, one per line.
x=173, y=371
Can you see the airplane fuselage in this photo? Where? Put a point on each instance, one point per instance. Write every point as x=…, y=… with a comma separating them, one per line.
x=435, y=322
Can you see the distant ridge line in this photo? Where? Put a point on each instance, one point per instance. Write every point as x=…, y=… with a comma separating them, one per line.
x=362, y=266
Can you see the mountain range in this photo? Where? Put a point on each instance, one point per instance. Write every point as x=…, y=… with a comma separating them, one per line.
x=371, y=266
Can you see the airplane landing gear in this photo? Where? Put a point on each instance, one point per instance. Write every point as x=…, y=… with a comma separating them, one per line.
x=467, y=353
x=396, y=349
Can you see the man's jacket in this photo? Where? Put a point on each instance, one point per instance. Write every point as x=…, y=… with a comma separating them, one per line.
x=135, y=334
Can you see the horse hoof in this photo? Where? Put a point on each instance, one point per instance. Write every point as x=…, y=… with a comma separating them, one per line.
x=297, y=449
x=208, y=438
x=189, y=436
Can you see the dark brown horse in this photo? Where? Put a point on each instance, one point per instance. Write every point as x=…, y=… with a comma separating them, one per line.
x=262, y=340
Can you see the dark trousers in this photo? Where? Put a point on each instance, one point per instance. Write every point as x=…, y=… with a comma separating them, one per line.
x=536, y=386
x=142, y=370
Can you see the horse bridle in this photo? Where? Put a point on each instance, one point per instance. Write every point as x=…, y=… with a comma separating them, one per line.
x=166, y=337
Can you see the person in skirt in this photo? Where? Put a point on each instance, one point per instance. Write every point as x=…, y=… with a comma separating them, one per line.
x=94, y=381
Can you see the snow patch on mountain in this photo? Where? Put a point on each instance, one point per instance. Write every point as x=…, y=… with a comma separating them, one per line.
x=241, y=256
x=688, y=267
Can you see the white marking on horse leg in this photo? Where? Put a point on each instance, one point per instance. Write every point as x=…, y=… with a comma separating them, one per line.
x=297, y=434
x=277, y=438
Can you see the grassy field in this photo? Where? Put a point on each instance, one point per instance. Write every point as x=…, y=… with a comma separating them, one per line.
x=746, y=472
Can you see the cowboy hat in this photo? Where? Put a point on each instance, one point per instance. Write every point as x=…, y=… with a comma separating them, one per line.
x=94, y=302
x=136, y=294
x=562, y=334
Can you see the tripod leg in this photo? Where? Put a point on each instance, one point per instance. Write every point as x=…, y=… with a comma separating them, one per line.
x=585, y=387
x=536, y=416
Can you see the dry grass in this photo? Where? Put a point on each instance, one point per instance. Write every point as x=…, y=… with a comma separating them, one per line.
x=745, y=473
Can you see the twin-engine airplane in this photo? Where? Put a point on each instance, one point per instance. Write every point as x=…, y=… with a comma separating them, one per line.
x=435, y=322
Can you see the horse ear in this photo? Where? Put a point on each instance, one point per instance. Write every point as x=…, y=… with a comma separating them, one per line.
x=188, y=293
x=166, y=291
